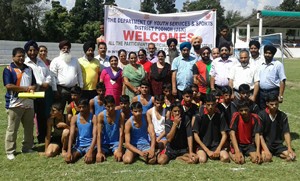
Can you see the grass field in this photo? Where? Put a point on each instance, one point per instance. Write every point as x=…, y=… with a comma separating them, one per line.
x=34, y=167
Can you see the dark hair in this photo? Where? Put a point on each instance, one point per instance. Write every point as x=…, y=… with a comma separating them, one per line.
x=124, y=98
x=271, y=97
x=100, y=85
x=136, y=105
x=187, y=91
x=224, y=27
x=167, y=86
x=83, y=101
x=244, y=88
x=194, y=86
x=151, y=44
x=101, y=43
x=144, y=51
x=176, y=104
x=109, y=99
x=57, y=105
x=113, y=56
x=145, y=82
x=18, y=50
x=75, y=90
x=226, y=90
x=216, y=92
x=129, y=54
x=42, y=46
x=244, y=51
x=159, y=97
x=120, y=51
x=210, y=98
x=163, y=52
x=242, y=103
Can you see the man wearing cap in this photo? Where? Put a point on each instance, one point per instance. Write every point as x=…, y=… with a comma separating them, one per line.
x=256, y=58
x=196, y=42
x=272, y=77
x=90, y=70
x=244, y=73
x=43, y=79
x=201, y=71
x=220, y=68
x=182, y=74
x=172, y=50
x=67, y=73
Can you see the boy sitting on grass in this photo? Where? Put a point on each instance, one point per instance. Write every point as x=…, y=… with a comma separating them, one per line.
x=179, y=136
x=97, y=103
x=244, y=128
x=137, y=140
x=57, y=140
x=275, y=130
x=124, y=106
x=144, y=98
x=72, y=108
x=85, y=122
x=110, y=131
x=210, y=129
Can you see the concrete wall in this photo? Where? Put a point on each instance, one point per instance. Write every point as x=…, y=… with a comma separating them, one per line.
x=6, y=48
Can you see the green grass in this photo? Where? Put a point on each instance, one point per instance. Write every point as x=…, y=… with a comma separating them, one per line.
x=34, y=167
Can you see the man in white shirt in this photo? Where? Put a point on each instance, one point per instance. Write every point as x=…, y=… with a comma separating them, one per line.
x=152, y=53
x=102, y=57
x=256, y=58
x=67, y=73
x=43, y=80
x=244, y=73
x=172, y=52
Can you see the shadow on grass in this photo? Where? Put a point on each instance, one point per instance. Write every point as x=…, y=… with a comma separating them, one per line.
x=294, y=136
x=39, y=148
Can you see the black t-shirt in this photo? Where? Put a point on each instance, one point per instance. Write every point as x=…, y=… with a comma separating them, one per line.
x=183, y=131
x=226, y=111
x=273, y=131
x=189, y=113
x=209, y=129
x=252, y=106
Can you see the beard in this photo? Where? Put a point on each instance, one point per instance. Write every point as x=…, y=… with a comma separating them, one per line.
x=196, y=47
x=66, y=57
x=173, y=54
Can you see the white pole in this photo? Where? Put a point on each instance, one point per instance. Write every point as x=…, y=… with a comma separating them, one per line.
x=260, y=27
x=248, y=33
x=281, y=46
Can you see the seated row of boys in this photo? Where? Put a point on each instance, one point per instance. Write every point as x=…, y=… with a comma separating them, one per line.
x=180, y=130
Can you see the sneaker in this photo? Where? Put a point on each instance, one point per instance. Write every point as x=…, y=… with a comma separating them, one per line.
x=27, y=151
x=10, y=156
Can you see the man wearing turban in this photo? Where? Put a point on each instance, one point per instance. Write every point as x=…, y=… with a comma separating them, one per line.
x=43, y=79
x=90, y=67
x=255, y=59
x=196, y=42
x=272, y=77
x=67, y=73
x=182, y=75
x=172, y=50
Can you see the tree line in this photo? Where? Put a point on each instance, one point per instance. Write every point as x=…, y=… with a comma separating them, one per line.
x=28, y=19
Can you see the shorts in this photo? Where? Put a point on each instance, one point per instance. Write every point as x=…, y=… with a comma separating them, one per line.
x=56, y=140
x=277, y=149
x=109, y=148
x=245, y=149
x=173, y=154
x=81, y=149
x=162, y=139
x=143, y=147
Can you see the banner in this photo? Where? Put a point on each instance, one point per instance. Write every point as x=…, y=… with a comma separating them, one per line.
x=132, y=30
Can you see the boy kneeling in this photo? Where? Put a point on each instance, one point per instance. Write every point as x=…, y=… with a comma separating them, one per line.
x=85, y=122
x=275, y=128
x=136, y=136
x=210, y=129
x=244, y=127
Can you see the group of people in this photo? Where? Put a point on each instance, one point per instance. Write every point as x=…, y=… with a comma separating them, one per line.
x=189, y=104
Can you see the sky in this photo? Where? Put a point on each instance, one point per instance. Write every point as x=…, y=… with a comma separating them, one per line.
x=244, y=6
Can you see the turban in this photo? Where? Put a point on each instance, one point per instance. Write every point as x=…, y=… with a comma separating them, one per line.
x=170, y=40
x=226, y=45
x=88, y=45
x=271, y=48
x=29, y=44
x=195, y=38
x=255, y=43
x=205, y=48
x=185, y=45
x=64, y=43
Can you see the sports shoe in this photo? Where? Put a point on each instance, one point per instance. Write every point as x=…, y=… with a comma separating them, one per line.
x=27, y=151
x=10, y=156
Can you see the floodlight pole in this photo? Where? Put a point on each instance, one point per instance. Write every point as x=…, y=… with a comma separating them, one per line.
x=260, y=26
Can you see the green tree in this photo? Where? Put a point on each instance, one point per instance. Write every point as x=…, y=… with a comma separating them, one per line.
x=148, y=6
x=289, y=5
x=207, y=4
x=166, y=6
x=57, y=24
x=90, y=31
x=232, y=17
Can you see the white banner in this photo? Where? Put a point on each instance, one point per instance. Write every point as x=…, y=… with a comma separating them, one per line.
x=132, y=30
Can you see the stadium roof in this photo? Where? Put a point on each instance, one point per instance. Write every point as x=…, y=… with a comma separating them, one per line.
x=279, y=19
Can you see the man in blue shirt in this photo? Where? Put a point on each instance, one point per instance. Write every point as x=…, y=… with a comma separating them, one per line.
x=272, y=77
x=182, y=66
